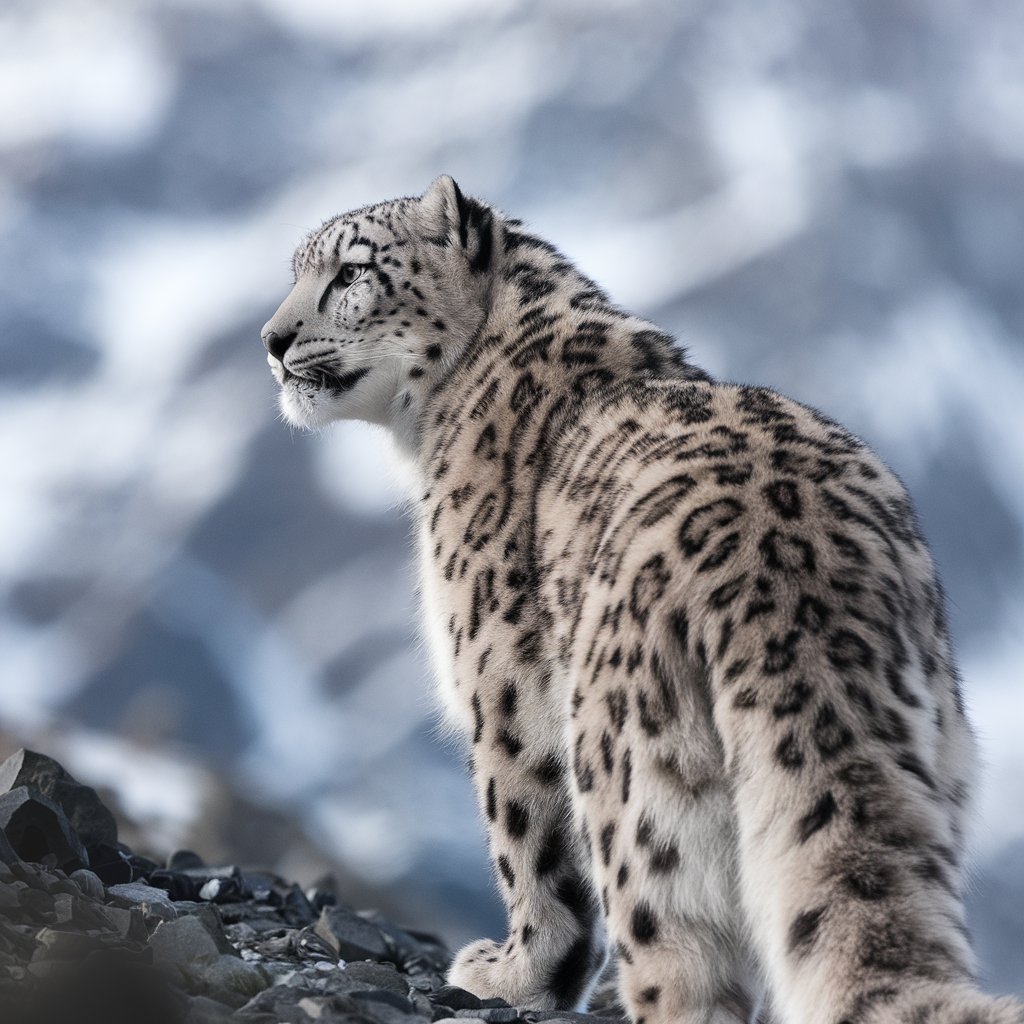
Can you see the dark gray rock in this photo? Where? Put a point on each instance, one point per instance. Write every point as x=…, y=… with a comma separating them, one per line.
x=323, y=893
x=227, y=979
x=248, y=917
x=151, y=901
x=8, y=899
x=387, y=1007
x=183, y=860
x=275, y=894
x=493, y=1014
x=283, y=1002
x=564, y=1018
x=83, y=915
x=85, y=812
x=188, y=878
x=35, y=876
x=204, y=872
x=60, y=882
x=303, y=1003
x=17, y=939
x=456, y=998
x=7, y=852
x=311, y=946
x=224, y=890
x=110, y=864
x=299, y=945
x=38, y=830
x=571, y=1017
x=211, y=919
x=415, y=953
x=277, y=1004
x=380, y=976
x=351, y=936
x=264, y=885
x=204, y=1010
x=296, y=908
x=131, y=924
x=89, y=882
x=58, y=944
x=34, y=904
x=183, y=941
x=176, y=884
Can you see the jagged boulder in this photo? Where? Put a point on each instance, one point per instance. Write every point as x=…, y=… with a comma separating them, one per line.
x=85, y=812
x=8, y=855
x=37, y=830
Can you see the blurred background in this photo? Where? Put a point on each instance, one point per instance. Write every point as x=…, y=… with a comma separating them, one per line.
x=210, y=616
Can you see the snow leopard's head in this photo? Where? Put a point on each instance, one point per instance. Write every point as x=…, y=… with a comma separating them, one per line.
x=385, y=298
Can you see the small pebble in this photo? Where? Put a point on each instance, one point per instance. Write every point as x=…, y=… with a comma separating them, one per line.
x=210, y=890
x=183, y=860
x=89, y=882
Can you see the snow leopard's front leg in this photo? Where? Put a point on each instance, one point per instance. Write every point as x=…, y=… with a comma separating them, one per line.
x=555, y=946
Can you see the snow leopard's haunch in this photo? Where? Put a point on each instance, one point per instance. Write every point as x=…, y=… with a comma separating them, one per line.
x=690, y=630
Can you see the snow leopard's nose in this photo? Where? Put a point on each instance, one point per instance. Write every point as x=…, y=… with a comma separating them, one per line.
x=277, y=344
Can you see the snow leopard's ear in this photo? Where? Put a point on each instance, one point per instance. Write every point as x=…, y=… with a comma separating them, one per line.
x=461, y=221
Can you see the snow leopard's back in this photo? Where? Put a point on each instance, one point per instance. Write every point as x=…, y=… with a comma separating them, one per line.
x=750, y=547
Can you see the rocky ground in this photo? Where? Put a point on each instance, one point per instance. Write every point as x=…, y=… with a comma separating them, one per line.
x=92, y=932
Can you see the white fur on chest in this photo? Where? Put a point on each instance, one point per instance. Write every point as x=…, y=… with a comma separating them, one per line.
x=436, y=615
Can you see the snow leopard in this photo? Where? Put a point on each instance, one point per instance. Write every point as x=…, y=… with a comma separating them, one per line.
x=689, y=630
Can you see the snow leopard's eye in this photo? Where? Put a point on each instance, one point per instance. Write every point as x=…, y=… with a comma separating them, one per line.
x=348, y=274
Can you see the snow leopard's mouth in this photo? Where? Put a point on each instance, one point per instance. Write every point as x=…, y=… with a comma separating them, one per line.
x=337, y=383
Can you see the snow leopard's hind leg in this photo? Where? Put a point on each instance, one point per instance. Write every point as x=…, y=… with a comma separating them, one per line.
x=654, y=800
x=848, y=752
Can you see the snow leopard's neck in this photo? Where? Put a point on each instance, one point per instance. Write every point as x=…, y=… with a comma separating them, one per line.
x=551, y=341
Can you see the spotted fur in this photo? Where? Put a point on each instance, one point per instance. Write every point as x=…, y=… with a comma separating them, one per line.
x=690, y=630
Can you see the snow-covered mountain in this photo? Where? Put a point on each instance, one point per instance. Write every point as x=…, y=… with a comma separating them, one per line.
x=826, y=198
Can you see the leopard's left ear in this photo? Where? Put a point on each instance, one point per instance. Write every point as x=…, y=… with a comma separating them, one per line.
x=463, y=222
